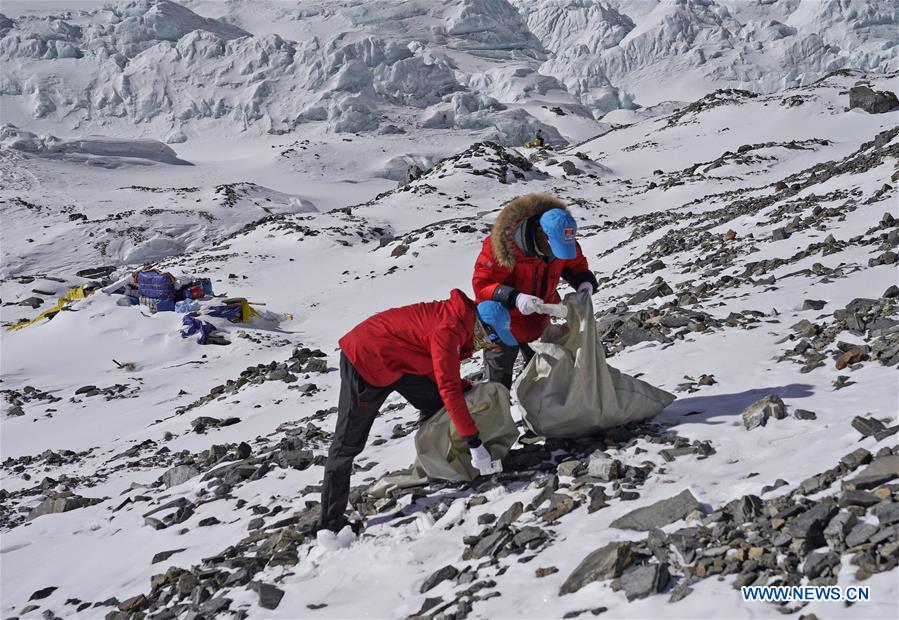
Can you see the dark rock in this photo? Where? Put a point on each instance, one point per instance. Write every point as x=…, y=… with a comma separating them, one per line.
x=447, y=572
x=42, y=593
x=744, y=509
x=867, y=426
x=872, y=101
x=858, y=498
x=162, y=556
x=813, y=304
x=33, y=302
x=659, y=514
x=605, y=563
x=85, y=389
x=659, y=288
x=598, y=499
x=560, y=505
x=804, y=414
x=809, y=526
x=860, y=534
x=510, y=515
x=818, y=562
x=780, y=234
x=856, y=459
x=644, y=580
x=887, y=513
x=269, y=596
x=134, y=603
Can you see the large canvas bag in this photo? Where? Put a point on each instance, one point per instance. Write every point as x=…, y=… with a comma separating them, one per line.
x=568, y=390
x=443, y=454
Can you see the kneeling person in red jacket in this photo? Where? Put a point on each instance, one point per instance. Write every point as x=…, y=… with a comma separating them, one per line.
x=531, y=247
x=414, y=350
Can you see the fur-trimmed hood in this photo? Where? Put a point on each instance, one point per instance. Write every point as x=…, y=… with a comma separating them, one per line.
x=502, y=241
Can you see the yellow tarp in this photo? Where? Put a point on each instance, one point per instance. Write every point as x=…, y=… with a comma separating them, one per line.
x=73, y=294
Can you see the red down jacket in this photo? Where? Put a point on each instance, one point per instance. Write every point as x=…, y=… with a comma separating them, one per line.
x=429, y=339
x=502, y=266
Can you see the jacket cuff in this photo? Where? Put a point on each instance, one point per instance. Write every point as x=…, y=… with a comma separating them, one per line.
x=576, y=279
x=505, y=295
x=473, y=441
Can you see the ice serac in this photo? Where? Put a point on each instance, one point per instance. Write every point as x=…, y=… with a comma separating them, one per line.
x=491, y=25
x=708, y=43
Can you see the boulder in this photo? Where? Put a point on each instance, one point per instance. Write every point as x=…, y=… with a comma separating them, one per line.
x=54, y=505
x=660, y=513
x=757, y=414
x=179, y=475
x=645, y=580
x=872, y=101
x=605, y=563
x=880, y=471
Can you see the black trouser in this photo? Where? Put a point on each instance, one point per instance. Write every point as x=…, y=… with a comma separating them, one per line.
x=356, y=410
x=499, y=362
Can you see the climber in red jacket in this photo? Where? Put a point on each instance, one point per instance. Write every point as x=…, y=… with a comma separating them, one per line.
x=531, y=247
x=414, y=350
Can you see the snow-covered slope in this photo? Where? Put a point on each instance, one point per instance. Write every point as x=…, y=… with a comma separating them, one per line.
x=745, y=244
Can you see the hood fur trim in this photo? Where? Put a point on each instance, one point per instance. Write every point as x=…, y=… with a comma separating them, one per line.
x=515, y=211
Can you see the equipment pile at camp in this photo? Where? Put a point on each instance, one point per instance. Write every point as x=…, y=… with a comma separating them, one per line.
x=157, y=291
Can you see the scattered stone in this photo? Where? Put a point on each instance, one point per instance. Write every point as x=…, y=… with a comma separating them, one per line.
x=162, y=556
x=545, y=571
x=757, y=414
x=42, y=593
x=603, y=466
x=644, y=580
x=54, y=505
x=880, y=471
x=179, y=475
x=447, y=572
x=867, y=426
x=605, y=563
x=804, y=414
x=659, y=514
x=813, y=304
x=269, y=596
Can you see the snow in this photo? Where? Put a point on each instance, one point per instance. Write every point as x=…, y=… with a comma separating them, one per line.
x=253, y=159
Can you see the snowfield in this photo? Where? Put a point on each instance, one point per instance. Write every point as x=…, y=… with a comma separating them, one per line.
x=741, y=220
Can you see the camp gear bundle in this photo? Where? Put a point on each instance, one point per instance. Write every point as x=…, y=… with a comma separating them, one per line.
x=568, y=390
x=161, y=291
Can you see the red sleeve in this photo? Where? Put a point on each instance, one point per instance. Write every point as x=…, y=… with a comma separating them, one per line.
x=445, y=348
x=578, y=264
x=488, y=274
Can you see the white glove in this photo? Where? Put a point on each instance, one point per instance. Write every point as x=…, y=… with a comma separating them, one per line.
x=527, y=304
x=585, y=286
x=483, y=462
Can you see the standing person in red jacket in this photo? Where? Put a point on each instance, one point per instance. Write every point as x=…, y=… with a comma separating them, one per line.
x=532, y=245
x=414, y=350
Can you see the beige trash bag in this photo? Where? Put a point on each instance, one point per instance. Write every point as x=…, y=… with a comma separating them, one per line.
x=443, y=454
x=568, y=390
